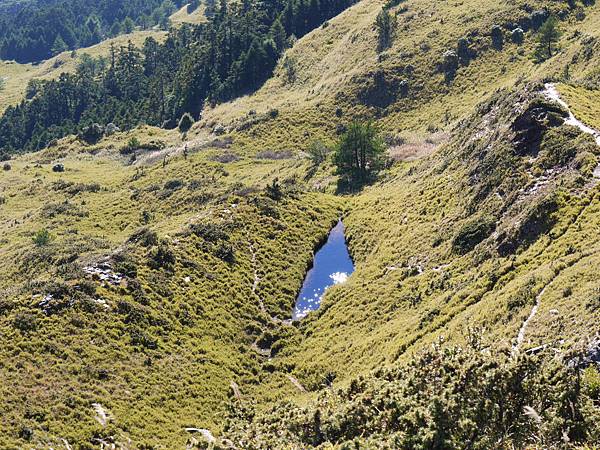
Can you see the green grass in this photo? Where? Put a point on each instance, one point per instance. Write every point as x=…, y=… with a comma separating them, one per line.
x=203, y=327
x=584, y=103
x=162, y=356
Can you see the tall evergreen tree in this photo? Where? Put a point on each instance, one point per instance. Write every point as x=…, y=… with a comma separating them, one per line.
x=59, y=46
x=547, y=38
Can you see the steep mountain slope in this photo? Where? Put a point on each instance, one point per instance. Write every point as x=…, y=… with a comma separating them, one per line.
x=338, y=69
x=145, y=291
x=151, y=327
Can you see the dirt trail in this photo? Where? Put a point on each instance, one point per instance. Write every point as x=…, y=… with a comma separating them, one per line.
x=256, y=277
x=552, y=93
x=532, y=314
x=194, y=145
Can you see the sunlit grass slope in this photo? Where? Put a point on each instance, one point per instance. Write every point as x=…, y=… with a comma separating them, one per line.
x=469, y=230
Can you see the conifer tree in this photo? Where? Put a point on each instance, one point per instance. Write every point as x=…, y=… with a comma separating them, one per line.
x=547, y=38
x=59, y=46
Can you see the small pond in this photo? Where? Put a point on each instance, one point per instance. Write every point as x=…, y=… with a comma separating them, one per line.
x=332, y=265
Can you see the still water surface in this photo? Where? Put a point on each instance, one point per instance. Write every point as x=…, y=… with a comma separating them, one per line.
x=332, y=265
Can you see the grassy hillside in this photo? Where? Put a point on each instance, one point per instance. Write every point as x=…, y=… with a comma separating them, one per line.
x=183, y=16
x=17, y=75
x=338, y=70
x=143, y=290
x=163, y=346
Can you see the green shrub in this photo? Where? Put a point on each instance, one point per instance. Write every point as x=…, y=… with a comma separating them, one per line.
x=386, y=25
x=145, y=237
x=25, y=322
x=163, y=257
x=274, y=191
x=185, y=123
x=444, y=398
x=472, y=233
x=42, y=238
x=497, y=37
x=547, y=38
x=517, y=35
x=591, y=382
x=92, y=133
x=226, y=252
x=318, y=153
x=132, y=145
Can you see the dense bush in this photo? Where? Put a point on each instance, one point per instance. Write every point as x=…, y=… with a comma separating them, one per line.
x=185, y=123
x=517, y=35
x=42, y=238
x=449, y=63
x=497, y=37
x=163, y=257
x=472, y=233
x=444, y=398
x=92, y=133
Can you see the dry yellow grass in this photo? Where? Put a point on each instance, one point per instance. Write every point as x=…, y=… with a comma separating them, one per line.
x=197, y=16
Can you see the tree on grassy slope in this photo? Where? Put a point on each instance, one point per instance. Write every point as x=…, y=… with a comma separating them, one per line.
x=548, y=36
x=360, y=153
x=385, y=24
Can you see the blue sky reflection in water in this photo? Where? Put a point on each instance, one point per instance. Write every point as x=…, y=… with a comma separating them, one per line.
x=332, y=265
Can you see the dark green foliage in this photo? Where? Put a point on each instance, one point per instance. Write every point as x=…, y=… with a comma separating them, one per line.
x=449, y=63
x=360, y=152
x=472, y=233
x=444, y=398
x=385, y=24
x=517, y=35
x=163, y=257
x=42, y=238
x=25, y=322
x=226, y=252
x=547, y=38
x=173, y=185
x=128, y=26
x=558, y=147
x=497, y=37
x=40, y=30
x=130, y=148
x=59, y=46
x=92, y=133
x=209, y=232
x=274, y=190
x=193, y=6
x=185, y=123
x=231, y=55
x=145, y=237
x=464, y=52
x=318, y=153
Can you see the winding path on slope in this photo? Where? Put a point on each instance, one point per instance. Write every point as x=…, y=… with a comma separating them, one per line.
x=551, y=93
